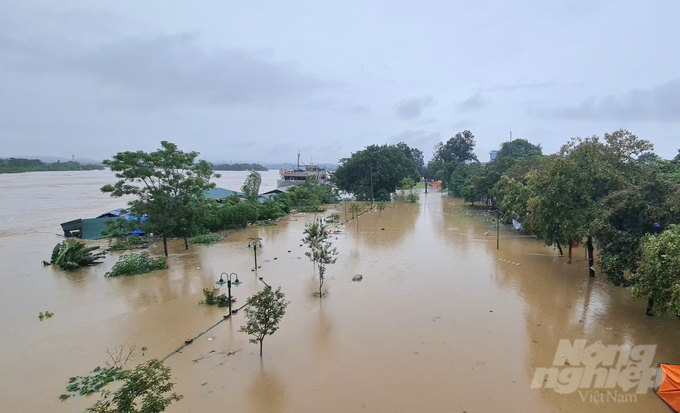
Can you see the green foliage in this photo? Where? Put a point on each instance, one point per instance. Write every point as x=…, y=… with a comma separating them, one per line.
x=93, y=382
x=126, y=242
x=518, y=148
x=17, y=165
x=213, y=297
x=407, y=184
x=658, y=275
x=414, y=155
x=381, y=206
x=168, y=186
x=354, y=208
x=207, y=238
x=625, y=217
x=386, y=164
x=236, y=216
x=412, y=197
x=309, y=196
x=145, y=390
x=272, y=209
x=133, y=264
x=559, y=201
x=264, y=313
x=333, y=218
x=71, y=254
x=251, y=187
x=47, y=315
x=458, y=149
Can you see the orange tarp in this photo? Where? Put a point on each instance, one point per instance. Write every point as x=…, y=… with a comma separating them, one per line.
x=437, y=183
x=669, y=389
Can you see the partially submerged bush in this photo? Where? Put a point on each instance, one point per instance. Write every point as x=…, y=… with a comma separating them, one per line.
x=412, y=197
x=132, y=264
x=332, y=218
x=212, y=297
x=207, y=238
x=72, y=254
x=126, y=242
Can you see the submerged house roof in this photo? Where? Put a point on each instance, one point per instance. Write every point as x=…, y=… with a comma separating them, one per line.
x=221, y=193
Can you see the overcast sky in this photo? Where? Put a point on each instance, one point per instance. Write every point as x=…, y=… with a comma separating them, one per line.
x=259, y=81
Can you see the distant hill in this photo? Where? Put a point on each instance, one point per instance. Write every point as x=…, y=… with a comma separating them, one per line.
x=17, y=165
x=55, y=159
x=239, y=167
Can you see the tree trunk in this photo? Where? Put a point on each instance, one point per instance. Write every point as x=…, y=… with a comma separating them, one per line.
x=650, y=305
x=559, y=247
x=165, y=244
x=261, y=347
x=186, y=242
x=591, y=259
x=569, y=252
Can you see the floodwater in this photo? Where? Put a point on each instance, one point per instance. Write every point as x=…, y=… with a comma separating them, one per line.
x=442, y=321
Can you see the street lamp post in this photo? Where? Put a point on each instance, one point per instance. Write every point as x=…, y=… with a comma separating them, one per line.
x=228, y=282
x=255, y=242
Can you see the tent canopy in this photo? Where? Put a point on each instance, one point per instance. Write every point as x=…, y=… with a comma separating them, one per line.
x=669, y=388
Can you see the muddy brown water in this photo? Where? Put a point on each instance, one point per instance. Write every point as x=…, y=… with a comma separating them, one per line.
x=442, y=321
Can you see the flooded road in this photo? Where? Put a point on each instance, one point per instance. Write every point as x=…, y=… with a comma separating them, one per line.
x=442, y=321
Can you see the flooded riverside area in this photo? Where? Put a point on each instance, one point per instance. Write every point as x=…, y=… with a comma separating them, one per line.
x=442, y=320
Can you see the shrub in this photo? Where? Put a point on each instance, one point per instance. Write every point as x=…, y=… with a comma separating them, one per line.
x=412, y=197
x=126, y=242
x=133, y=264
x=207, y=238
x=72, y=254
x=213, y=298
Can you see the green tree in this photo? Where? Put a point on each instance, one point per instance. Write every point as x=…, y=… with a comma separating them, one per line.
x=145, y=389
x=458, y=149
x=264, y=312
x=518, y=148
x=325, y=255
x=414, y=155
x=625, y=217
x=381, y=206
x=315, y=233
x=166, y=184
x=251, y=187
x=354, y=209
x=558, y=203
x=375, y=172
x=71, y=254
x=658, y=276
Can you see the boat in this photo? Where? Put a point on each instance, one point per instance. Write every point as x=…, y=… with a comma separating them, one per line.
x=298, y=175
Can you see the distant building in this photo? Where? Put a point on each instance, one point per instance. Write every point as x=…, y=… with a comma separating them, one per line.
x=493, y=155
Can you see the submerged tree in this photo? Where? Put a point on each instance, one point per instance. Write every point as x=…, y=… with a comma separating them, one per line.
x=167, y=184
x=145, y=389
x=251, y=187
x=325, y=256
x=264, y=312
x=315, y=234
x=658, y=276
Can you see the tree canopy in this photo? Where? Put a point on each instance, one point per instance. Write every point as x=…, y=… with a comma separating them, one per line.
x=168, y=186
x=384, y=165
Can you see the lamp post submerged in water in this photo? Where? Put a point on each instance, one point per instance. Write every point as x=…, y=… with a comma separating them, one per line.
x=228, y=282
x=255, y=242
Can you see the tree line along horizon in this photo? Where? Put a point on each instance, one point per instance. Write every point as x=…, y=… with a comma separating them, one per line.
x=613, y=193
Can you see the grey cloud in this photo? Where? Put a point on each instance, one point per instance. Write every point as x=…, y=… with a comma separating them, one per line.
x=660, y=103
x=473, y=103
x=336, y=106
x=420, y=139
x=170, y=70
x=517, y=86
x=413, y=107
